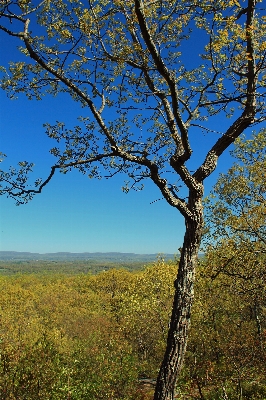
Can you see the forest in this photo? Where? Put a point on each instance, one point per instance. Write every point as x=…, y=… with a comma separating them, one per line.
x=77, y=334
x=102, y=336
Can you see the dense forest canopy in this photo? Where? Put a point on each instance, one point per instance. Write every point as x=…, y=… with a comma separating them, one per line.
x=103, y=336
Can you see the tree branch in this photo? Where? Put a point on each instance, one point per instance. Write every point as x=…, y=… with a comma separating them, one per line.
x=23, y=191
x=248, y=115
x=186, y=152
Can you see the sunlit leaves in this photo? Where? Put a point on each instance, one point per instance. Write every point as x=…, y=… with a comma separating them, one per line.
x=99, y=54
x=240, y=204
x=226, y=350
x=95, y=336
x=57, y=340
x=75, y=344
x=235, y=267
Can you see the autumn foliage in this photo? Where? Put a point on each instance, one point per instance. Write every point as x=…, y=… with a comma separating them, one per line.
x=102, y=336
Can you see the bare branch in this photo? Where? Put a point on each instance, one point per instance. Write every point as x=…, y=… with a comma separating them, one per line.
x=21, y=34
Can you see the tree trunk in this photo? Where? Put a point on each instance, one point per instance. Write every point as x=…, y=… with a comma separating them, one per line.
x=183, y=299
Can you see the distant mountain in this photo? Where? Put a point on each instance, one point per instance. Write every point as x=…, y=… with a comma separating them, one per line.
x=64, y=256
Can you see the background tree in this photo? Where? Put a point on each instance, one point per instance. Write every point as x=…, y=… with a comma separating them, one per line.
x=236, y=208
x=227, y=350
x=235, y=219
x=128, y=58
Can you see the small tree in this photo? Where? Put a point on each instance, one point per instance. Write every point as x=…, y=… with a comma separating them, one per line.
x=236, y=208
x=128, y=57
x=228, y=338
x=235, y=217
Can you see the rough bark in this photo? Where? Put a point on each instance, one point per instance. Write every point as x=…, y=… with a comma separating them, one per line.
x=183, y=300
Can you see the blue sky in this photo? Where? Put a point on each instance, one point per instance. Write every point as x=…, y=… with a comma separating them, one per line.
x=74, y=213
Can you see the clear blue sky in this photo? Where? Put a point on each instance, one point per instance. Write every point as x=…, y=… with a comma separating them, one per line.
x=74, y=213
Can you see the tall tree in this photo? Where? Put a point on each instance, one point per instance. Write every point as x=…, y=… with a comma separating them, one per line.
x=129, y=57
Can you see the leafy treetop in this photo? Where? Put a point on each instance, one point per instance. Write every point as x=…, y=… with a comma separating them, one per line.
x=129, y=57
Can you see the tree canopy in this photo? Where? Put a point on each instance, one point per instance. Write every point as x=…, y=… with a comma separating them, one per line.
x=235, y=218
x=138, y=60
x=237, y=204
x=234, y=269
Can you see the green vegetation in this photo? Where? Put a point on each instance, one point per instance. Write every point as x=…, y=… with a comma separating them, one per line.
x=72, y=263
x=98, y=336
x=64, y=267
x=71, y=336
